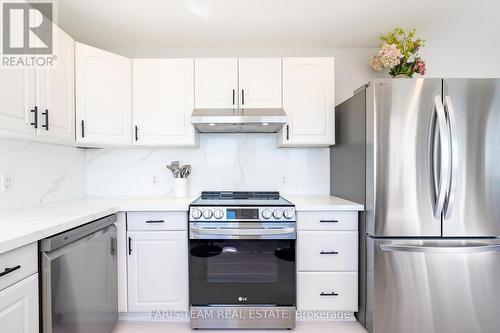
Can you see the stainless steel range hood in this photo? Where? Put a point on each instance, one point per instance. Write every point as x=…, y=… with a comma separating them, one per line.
x=238, y=120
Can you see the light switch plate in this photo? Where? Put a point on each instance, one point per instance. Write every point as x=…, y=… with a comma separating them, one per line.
x=6, y=183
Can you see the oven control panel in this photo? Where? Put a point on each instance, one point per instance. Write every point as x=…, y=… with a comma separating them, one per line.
x=242, y=214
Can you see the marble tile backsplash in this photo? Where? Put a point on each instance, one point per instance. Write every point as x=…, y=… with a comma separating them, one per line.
x=222, y=162
x=46, y=172
x=41, y=172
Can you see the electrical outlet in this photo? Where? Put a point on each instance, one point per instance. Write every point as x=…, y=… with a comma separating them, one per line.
x=284, y=180
x=156, y=179
x=6, y=182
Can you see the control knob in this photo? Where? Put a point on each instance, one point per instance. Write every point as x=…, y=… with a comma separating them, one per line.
x=218, y=214
x=288, y=213
x=277, y=214
x=195, y=213
x=266, y=213
x=207, y=214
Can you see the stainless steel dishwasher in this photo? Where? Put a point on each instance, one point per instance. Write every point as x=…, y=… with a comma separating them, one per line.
x=79, y=279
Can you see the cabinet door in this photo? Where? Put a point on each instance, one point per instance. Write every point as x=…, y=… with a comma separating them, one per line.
x=163, y=101
x=157, y=271
x=309, y=102
x=260, y=82
x=216, y=83
x=19, y=307
x=55, y=91
x=103, y=96
x=17, y=98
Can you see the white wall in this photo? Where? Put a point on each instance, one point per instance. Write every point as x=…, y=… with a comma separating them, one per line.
x=223, y=162
x=462, y=62
x=41, y=172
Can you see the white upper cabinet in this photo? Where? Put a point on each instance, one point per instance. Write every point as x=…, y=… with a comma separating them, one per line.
x=309, y=102
x=216, y=83
x=260, y=83
x=55, y=91
x=38, y=102
x=222, y=83
x=17, y=100
x=163, y=101
x=103, y=97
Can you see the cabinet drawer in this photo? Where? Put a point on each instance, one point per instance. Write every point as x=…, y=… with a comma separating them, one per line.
x=327, y=251
x=327, y=291
x=144, y=221
x=21, y=262
x=327, y=220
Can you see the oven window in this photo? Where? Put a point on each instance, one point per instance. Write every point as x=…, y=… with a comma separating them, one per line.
x=226, y=271
x=252, y=262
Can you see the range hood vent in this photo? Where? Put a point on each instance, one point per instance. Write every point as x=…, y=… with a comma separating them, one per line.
x=238, y=120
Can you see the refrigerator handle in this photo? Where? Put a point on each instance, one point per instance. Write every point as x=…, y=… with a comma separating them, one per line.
x=454, y=156
x=440, y=249
x=444, y=170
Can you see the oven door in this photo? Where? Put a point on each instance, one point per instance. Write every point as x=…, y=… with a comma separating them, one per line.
x=245, y=270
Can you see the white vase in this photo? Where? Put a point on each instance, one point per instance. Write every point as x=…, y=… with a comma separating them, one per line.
x=181, y=187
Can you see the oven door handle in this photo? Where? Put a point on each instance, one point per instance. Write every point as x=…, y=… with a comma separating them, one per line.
x=242, y=231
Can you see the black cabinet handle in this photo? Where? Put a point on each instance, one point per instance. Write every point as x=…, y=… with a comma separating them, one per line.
x=129, y=246
x=329, y=221
x=328, y=252
x=287, y=132
x=155, y=221
x=10, y=270
x=83, y=128
x=234, y=97
x=329, y=294
x=35, y=117
x=242, y=96
x=136, y=133
x=46, y=114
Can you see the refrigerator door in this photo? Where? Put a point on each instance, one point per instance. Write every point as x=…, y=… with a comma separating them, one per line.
x=434, y=286
x=402, y=129
x=473, y=111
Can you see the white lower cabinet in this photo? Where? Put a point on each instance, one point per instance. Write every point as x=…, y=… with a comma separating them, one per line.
x=327, y=291
x=19, y=307
x=157, y=271
x=327, y=261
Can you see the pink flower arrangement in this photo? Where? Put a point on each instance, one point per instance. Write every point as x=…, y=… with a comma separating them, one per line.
x=399, y=54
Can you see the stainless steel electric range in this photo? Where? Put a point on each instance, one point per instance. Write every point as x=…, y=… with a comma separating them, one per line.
x=242, y=261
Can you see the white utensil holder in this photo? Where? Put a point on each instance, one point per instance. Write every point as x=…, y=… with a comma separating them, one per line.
x=181, y=187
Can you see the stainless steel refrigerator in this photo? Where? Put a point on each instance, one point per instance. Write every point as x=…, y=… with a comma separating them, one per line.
x=423, y=156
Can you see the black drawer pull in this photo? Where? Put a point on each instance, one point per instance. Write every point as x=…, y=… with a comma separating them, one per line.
x=328, y=252
x=329, y=294
x=329, y=221
x=10, y=270
x=129, y=246
x=155, y=221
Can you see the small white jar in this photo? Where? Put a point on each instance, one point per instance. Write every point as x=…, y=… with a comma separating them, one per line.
x=181, y=187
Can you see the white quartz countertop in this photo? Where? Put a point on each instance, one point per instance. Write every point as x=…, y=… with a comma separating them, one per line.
x=321, y=202
x=23, y=226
